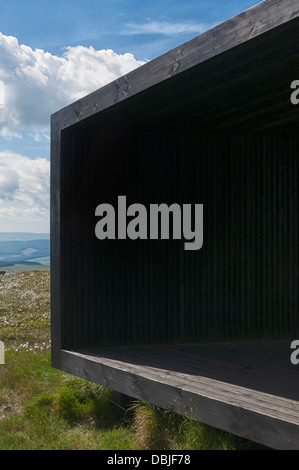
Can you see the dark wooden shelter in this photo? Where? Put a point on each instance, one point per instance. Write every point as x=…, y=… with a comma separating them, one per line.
x=205, y=333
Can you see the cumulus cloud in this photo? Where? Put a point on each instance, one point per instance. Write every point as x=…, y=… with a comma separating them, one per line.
x=24, y=188
x=24, y=193
x=86, y=69
x=33, y=85
x=36, y=83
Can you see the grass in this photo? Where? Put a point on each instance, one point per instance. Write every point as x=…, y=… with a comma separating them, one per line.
x=42, y=408
x=25, y=311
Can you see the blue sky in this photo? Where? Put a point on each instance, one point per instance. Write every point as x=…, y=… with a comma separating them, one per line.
x=53, y=25
x=54, y=52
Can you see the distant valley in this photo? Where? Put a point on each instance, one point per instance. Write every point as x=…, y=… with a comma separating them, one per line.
x=24, y=251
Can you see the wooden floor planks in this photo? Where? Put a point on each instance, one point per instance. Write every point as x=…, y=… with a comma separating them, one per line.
x=250, y=388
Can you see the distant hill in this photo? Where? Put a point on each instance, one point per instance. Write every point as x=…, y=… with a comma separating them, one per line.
x=24, y=248
x=22, y=236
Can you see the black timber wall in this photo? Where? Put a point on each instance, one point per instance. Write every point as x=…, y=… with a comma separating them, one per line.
x=242, y=284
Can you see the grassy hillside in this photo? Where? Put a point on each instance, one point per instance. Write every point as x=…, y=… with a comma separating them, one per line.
x=42, y=408
x=19, y=268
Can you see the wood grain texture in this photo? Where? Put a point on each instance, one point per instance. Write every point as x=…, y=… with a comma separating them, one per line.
x=55, y=245
x=230, y=386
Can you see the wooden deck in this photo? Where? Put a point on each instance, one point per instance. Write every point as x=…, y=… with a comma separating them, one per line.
x=250, y=389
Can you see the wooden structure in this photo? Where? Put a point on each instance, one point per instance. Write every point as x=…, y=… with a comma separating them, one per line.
x=205, y=333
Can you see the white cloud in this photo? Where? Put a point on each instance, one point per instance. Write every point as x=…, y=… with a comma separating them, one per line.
x=24, y=191
x=32, y=219
x=33, y=85
x=2, y=94
x=9, y=183
x=36, y=83
x=86, y=69
x=24, y=180
x=166, y=28
x=37, y=137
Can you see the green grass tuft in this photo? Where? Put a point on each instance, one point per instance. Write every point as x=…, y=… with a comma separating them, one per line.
x=81, y=401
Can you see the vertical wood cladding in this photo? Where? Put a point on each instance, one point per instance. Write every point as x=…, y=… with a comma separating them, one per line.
x=242, y=284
